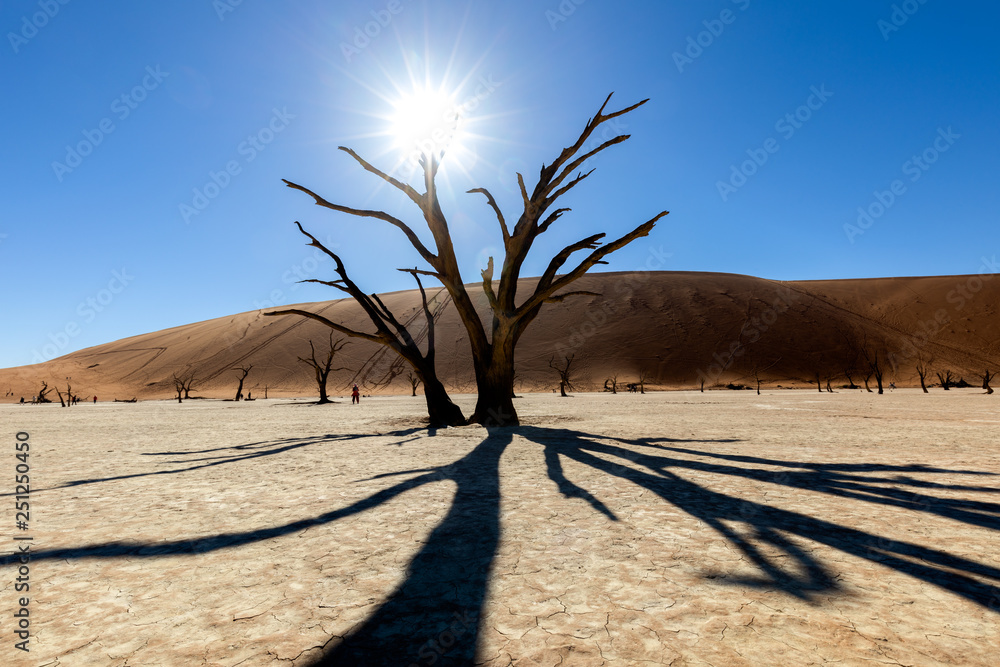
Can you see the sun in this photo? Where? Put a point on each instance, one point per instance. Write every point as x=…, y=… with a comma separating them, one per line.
x=426, y=122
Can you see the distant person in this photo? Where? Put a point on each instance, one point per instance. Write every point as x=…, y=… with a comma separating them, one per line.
x=22, y=400
x=95, y=400
x=355, y=396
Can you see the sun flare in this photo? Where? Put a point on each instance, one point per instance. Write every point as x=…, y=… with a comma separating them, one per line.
x=426, y=121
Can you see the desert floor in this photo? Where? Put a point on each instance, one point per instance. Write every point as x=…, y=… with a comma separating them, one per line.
x=724, y=528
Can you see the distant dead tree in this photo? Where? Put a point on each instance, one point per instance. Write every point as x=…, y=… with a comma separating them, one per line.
x=946, y=379
x=564, y=373
x=611, y=384
x=414, y=381
x=922, y=373
x=643, y=379
x=42, y=398
x=244, y=371
x=987, y=378
x=874, y=366
x=851, y=368
x=870, y=351
x=68, y=401
x=510, y=311
x=757, y=365
x=324, y=366
x=183, y=384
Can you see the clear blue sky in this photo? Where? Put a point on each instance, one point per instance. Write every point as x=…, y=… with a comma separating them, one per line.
x=115, y=113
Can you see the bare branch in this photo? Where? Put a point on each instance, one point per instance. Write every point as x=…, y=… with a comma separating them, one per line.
x=561, y=297
x=555, y=215
x=548, y=286
x=375, y=338
x=362, y=213
x=496, y=209
x=415, y=196
x=487, y=274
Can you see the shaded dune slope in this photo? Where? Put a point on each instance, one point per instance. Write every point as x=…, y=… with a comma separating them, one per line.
x=674, y=328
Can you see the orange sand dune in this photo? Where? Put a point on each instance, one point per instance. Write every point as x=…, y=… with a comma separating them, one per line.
x=677, y=328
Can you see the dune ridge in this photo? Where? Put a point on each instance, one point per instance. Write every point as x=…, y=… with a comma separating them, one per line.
x=675, y=329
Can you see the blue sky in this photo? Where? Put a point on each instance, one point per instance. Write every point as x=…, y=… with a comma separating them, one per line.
x=769, y=125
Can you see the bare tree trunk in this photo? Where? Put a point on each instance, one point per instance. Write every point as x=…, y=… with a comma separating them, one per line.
x=922, y=372
x=494, y=406
x=440, y=408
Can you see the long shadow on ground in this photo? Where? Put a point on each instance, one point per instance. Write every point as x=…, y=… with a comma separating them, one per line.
x=434, y=617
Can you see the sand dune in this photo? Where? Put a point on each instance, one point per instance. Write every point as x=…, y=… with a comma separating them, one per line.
x=677, y=328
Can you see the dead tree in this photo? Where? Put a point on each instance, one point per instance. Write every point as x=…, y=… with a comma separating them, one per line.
x=42, y=398
x=643, y=379
x=946, y=379
x=183, y=385
x=414, y=381
x=69, y=396
x=244, y=372
x=564, y=374
x=987, y=378
x=611, y=384
x=922, y=372
x=492, y=346
x=870, y=354
x=324, y=366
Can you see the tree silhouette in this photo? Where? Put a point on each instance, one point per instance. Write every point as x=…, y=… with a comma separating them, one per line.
x=414, y=382
x=323, y=366
x=244, y=371
x=987, y=378
x=492, y=350
x=564, y=374
x=183, y=384
x=922, y=373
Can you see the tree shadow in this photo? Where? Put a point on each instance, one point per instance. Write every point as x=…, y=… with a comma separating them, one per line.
x=795, y=571
x=236, y=454
x=434, y=616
